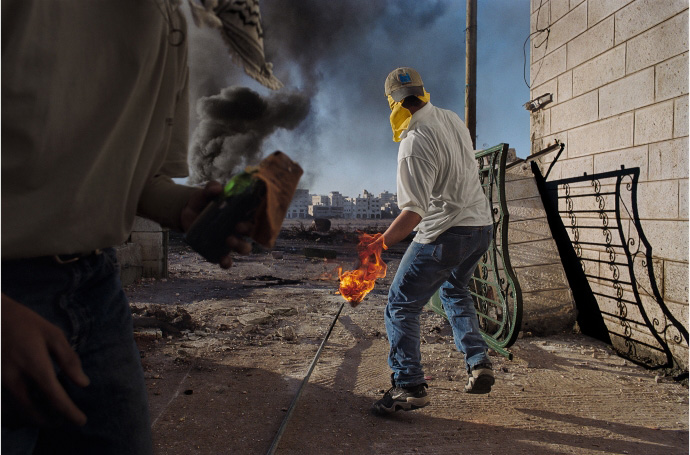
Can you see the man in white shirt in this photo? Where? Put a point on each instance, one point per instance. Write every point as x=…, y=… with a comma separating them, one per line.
x=441, y=198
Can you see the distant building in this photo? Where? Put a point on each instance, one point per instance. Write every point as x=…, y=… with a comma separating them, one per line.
x=320, y=200
x=387, y=198
x=337, y=205
x=299, y=207
x=390, y=210
x=337, y=199
x=389, y=205
x=348, y=207
x=325, y=211
x=367, y=206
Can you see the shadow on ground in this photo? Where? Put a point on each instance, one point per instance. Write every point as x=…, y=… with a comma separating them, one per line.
x=207, y=407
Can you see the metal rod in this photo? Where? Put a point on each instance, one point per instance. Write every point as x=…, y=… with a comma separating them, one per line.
x=278, y=435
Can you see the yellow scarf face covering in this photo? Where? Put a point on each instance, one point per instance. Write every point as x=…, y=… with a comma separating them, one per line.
x=400, y=117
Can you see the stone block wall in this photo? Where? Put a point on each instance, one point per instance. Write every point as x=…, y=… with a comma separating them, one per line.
x=548, y=304
x=145, y=254
x=618, y=72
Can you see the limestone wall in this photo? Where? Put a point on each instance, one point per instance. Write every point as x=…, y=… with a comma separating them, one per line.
x=618, y=72
x=145, y=254
x=548, y=304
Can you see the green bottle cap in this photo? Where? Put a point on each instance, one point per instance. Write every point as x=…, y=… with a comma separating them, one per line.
x=238, y=184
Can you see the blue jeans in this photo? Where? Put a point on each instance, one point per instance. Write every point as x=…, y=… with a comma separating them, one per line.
x=447, y=263
x=85, y=300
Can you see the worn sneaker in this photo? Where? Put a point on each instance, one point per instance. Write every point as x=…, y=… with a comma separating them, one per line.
x=405, y=398
x=480, y=380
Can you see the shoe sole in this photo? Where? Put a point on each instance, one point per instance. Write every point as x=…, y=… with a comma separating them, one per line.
x=481, y=385
x=410, y=405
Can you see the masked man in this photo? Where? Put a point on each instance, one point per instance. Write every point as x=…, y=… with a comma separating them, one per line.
x=441, y=198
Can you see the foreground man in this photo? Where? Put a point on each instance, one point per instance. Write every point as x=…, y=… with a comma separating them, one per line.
x=94, y=124
x=441, y=198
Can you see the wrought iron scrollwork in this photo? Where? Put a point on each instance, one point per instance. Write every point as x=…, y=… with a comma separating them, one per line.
x=640, y=311
x=494, y=287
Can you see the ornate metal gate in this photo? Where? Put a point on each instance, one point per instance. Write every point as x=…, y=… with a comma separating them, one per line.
x=603, y=218
x=494, y=287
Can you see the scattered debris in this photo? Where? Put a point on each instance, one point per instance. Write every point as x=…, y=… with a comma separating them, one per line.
x=150, y=332
x=254, y=319
x=281, y=311
x=287, y=333
x=320, y=253
x=168, y=320
x=270, y=281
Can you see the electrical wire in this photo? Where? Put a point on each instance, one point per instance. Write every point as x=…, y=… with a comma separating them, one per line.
x=547, y=29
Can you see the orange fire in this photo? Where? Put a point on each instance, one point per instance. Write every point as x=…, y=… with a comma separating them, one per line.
x=356, y=284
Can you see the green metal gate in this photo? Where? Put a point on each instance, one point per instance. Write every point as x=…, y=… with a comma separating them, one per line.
x=494, y=287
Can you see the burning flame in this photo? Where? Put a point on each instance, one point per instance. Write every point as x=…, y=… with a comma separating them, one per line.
x=356, y=284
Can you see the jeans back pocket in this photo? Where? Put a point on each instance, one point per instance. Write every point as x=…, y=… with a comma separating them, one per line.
x=452, y=249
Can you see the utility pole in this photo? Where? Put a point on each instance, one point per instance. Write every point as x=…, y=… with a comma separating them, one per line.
x=471, y=70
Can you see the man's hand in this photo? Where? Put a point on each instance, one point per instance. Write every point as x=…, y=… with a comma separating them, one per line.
x=28, y=344
x=372, y=245
x=196, y=204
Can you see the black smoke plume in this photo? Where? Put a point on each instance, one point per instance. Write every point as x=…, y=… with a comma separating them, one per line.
x=234, y=124
x=314, y=45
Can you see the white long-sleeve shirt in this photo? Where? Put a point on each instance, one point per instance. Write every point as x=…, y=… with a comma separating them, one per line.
x=438, y=176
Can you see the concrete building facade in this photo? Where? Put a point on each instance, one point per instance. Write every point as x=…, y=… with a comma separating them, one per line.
x=336, y=205
x=317, y=199
x=299, y=207
x=617, y=75
x=336, y=199
x=366, y=206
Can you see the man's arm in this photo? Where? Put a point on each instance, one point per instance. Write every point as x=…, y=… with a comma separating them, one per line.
x=401, y=227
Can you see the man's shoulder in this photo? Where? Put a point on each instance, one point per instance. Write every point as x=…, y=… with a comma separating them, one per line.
x=447, y=113
x=418, y=143
x=437, y=116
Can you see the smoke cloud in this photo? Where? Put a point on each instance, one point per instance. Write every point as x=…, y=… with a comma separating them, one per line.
x=338, y=54
x=233, y=126
x=313, y=44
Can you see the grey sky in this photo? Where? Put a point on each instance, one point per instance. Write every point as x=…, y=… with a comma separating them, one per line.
x=339, y=53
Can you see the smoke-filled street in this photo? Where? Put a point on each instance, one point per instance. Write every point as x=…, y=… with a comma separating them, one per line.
x=225, y=352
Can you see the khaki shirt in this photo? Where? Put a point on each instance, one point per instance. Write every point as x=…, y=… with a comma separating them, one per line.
x=94, y=123
x=438, y=176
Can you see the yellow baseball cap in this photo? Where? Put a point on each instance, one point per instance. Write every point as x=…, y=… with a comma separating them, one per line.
x=403, y=82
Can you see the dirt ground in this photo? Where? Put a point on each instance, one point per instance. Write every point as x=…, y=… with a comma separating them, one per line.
x=225, y=352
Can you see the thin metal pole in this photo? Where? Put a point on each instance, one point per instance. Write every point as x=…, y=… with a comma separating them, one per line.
x=278, y=435
x=471, y=70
